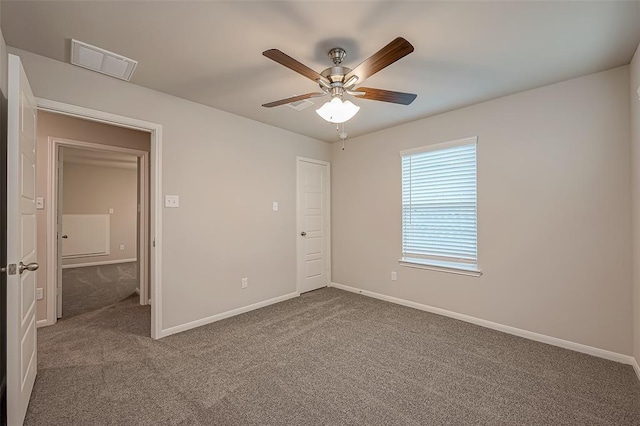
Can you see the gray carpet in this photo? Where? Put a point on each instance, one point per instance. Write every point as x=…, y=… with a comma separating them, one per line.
x=93, y=287
x=327, y=357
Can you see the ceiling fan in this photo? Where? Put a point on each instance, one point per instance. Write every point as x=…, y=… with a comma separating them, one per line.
x=339, y=80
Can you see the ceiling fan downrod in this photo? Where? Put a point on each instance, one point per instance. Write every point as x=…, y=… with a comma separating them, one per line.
x=337, y=55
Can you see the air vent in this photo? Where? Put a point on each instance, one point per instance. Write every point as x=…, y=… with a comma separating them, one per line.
x=86, y=56
x=300, y=105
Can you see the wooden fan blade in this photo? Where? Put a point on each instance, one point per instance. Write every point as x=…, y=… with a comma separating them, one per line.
x=397, y=49
x=289, y=62
x=293, y=99
x=386, y=95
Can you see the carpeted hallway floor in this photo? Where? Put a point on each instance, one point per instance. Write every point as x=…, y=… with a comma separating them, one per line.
x=327, y=357
x=93, y=287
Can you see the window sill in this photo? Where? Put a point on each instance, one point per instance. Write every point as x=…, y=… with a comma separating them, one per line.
x=452, y=268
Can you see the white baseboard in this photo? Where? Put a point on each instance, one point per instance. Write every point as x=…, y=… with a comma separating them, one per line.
x=42, y=323
x=137, y=291
x=578, y=347
x=104, y=262
x=636, y=367
x=197, y=323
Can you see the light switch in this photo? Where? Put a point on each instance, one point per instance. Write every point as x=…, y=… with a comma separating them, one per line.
x=171, y=201
x=275, y=206
x=121, y=247
x=39, y=203
x=110, y=211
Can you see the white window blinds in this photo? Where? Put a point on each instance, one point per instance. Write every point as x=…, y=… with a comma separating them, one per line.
x=439, y=218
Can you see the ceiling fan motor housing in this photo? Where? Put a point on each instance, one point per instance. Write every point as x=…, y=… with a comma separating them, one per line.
x=335, y=74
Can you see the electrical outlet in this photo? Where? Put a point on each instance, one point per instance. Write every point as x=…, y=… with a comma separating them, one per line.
x=121, y=247
x=394, y=276
x=245, y=282
x=39, y=295
x=171, y=201
x=275, y=206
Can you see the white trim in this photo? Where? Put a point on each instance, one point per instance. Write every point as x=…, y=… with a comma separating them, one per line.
x=142, y=250
x=437, y=146
x=636, y=367
x=208, y=320
x=42, y=323
x=53, y=145
x=95, y=115
x=327, y=219
x=554, y=341
x=468, y=270
x=155, y=212
x=105, y=262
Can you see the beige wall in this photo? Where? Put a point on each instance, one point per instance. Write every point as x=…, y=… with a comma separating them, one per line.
x=61, y=126
x=554, y=219
x=554, y=204
x=227, y=171
x=89, y=189
x=635, y=188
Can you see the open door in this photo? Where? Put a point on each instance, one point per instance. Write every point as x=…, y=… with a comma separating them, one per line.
x=60, y=237
x=21, y=243
x=3, y=260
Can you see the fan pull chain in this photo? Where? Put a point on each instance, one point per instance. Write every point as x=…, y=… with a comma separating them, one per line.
x=342, y=135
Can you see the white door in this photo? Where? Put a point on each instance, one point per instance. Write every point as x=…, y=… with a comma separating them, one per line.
x=314, y=260
x=21, y=243
x=60, y=237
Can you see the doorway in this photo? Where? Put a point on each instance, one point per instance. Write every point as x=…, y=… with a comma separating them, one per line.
x=149, y=186
x=89, y=234
x=100, y=207
x=314, y=225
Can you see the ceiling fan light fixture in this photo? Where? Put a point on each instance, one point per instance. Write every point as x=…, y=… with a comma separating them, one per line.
x=336, y=111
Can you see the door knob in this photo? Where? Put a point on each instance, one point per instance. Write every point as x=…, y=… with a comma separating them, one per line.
x=33, y=266
x=65, y=236
x=303, y=233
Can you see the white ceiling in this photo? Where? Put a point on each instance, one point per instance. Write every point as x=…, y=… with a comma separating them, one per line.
x=211, y=52
x=100, y=158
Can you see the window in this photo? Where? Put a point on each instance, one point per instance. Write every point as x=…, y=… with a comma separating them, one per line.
x=439, y=207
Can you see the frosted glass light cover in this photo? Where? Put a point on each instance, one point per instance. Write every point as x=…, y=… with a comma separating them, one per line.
x=337, y=111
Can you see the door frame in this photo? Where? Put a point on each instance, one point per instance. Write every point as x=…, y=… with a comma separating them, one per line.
x=53, y=146
x=154, y=239
x=4, y=145
x=300, y=241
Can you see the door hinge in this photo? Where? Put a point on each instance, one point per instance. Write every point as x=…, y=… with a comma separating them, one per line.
x=154, y=242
